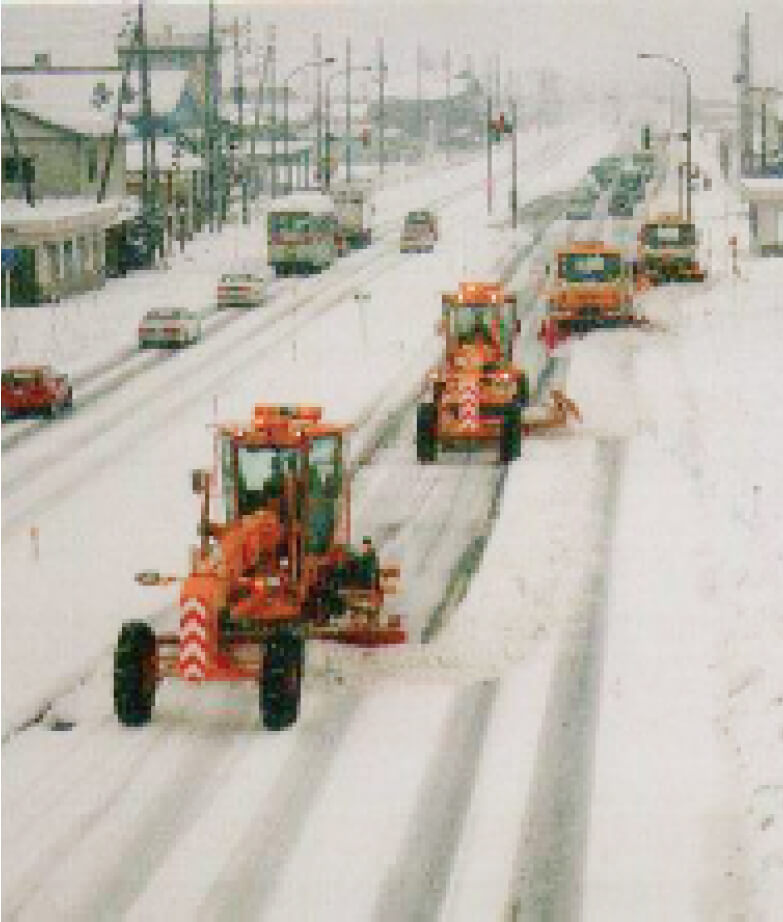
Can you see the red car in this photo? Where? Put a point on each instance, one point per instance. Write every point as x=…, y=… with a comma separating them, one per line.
x=35, y=389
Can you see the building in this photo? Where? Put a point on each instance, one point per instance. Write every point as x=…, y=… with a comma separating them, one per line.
x=57, y=161
x=431, y=109
x=765, y=197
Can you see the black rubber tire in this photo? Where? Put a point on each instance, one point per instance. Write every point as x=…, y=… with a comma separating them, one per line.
x=280, y=690
x=426, y=439
x=134, y=674
x=511, y=435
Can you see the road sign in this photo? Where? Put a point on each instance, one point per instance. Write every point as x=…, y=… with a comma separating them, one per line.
x=9, y=258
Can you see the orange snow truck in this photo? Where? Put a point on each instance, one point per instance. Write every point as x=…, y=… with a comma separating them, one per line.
x=668, y=247
x=588, y=287
x=277, y=568
x=477, y=391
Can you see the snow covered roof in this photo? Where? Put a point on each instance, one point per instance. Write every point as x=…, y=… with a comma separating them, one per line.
x=434, y=87
x=298, y=111
x=84, y=101
x=769, y=188
x=50, y=214
x=83, y=121
x=166, y=89
x=164, y=156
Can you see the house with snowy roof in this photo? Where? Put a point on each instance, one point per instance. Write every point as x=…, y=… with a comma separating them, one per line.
x=55, y=157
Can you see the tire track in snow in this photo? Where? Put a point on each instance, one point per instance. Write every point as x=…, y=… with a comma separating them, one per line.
x=547, y=880
x=17, y=895
x=415, y=886
x=251, y=871
x=165, y=819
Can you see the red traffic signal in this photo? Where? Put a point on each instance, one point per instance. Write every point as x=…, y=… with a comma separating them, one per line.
x=366, y=137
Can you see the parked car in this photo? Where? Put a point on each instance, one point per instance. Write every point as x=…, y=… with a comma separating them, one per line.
x=241, y=289
x=175, y=326
x=419, y=232
x=35, y=390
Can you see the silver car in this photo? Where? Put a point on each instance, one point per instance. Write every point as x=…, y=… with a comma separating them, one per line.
x=240, y=289
x=169, y=327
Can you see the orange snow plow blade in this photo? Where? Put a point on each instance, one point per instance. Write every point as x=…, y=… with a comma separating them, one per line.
x=554, y=416
x=363, y=632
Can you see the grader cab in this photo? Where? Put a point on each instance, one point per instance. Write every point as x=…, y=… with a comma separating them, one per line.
x=477, y=391
x=588, y=287
x=276, y=570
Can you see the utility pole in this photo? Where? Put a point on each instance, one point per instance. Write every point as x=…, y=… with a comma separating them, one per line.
x=145, y=134
x=381, y=88
x=348, y=109
x=513, y=163
x=489, y=153
x=317, y=52
x=448, y=103
x=214, y=212
x=419, y=114
x=273, y=52
x=239, y=93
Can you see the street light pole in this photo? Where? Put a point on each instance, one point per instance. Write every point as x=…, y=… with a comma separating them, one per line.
x=647, y=56
x=339, y=73
x=291, y=74
x=348, y=109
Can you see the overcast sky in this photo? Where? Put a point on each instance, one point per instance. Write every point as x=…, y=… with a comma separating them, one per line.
x=594, y=42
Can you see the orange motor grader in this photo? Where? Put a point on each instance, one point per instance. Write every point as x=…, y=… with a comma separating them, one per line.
x=477, y=391
x=588, y=287
x=277, y=570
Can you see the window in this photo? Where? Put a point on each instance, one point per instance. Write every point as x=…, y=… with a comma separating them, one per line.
x=324, y=486
x=260, y=475
x=17, y=169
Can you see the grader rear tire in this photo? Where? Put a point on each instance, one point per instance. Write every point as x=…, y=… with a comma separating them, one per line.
x=511, y=435
x=134, y=674
x=281, y=680
x=426, y=435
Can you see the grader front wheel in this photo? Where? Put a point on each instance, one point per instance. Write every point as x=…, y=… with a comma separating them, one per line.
x=281, y=679
x=134, y=674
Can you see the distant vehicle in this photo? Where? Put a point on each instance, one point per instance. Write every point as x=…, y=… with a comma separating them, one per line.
x=169, y=327
x=354, y=213
x=241, y=289
x=592, y=287
x=34, y=390
x=667, y=250
x=478, y=391
x=580, y=207
x=621, y=204
x=605, y=170
x=419, y=232
x=301, y=233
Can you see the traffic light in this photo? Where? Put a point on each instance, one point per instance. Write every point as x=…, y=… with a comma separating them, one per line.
x=365, y=137
x=645, y=137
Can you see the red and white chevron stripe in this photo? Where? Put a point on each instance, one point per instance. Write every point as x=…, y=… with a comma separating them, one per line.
x=469, y=403
x=193, y=641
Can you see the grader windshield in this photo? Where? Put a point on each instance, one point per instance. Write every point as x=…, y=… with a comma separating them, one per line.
x=254, y=477
x=489, y=323
x=254, y=474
